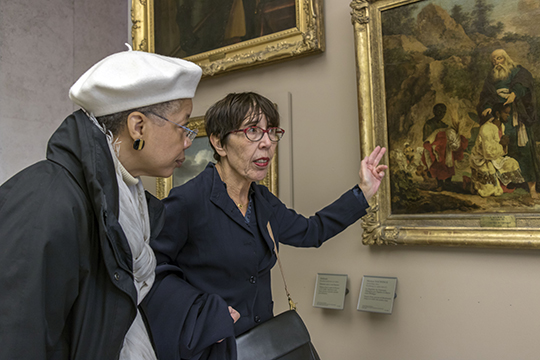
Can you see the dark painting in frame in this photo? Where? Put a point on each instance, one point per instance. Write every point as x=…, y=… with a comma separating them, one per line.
x=226, y=35
x=411, y=57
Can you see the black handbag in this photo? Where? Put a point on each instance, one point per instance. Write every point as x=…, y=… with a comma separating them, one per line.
x=284, y=337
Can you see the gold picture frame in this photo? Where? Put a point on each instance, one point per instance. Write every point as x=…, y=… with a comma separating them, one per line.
x=306, y=38
x=517, y=228
x=164, y=185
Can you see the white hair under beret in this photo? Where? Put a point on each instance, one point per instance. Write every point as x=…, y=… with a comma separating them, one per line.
x=133, y=79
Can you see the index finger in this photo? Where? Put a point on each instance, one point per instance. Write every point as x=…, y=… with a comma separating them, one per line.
x=376, y=155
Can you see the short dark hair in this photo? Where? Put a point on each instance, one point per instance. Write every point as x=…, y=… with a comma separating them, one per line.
x=439, y=110
x=496, y=108
x=115, y=122
x=228, y=114
x=499, y=107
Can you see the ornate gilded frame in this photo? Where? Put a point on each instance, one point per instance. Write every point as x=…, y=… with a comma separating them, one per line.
x=381, y=227
x=164, y=185
x=304, y=39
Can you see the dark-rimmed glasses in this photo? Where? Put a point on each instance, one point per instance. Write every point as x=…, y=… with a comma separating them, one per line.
x=255, y=133
x=191, y=134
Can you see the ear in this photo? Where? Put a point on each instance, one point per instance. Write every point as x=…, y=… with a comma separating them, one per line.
x=216, y=143
x=136, y=125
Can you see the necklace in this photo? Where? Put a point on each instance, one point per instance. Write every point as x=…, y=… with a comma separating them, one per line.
x=242, y=205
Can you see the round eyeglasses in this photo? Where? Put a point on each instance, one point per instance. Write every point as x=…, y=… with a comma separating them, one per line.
x=255, y=133
x=190, y=134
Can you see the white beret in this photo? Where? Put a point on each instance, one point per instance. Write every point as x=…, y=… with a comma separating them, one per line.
x=133, y=79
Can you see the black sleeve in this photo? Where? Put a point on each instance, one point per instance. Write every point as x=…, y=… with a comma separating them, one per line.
x=43, y=218
x=186, y=323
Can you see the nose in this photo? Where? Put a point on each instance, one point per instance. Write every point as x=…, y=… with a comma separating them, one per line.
x=187, y=142
x=265, y=141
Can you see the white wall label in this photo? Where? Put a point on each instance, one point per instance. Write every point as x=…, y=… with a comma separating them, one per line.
x=377, y=294
x=330, y=290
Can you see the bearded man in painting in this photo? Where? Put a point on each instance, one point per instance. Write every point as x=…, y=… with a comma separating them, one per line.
x=513, y=85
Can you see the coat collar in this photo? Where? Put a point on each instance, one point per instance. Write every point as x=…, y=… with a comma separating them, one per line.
x=220, y=197
x=263, y=209
x=82, y=149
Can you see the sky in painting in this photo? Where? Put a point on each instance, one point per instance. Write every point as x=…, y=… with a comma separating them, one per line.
x=518, y=16
x=197, y=157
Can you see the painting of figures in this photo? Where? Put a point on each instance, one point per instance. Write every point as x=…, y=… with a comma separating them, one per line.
x=462, y=89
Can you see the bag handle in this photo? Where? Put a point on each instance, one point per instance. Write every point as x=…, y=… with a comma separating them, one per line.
x=292, y=305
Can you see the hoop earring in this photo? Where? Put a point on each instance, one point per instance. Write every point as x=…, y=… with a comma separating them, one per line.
x=138, y=144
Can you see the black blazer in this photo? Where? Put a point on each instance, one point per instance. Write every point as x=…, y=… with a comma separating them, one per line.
x=206, y=242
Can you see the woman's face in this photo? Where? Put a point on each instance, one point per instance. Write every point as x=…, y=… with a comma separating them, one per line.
x=249, y=160
x=166, y=142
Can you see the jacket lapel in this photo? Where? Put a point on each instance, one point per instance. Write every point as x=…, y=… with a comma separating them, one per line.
x=263, y=210
x=221, y=199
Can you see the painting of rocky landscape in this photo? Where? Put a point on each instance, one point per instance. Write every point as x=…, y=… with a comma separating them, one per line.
x=462, y=86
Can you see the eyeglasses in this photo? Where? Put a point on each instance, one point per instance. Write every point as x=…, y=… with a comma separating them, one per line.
x=255, y=133
x=191, y=134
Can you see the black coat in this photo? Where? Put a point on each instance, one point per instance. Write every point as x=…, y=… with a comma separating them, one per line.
x=66, y=285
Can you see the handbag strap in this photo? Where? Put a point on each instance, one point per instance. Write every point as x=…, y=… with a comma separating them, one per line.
x=292, y=305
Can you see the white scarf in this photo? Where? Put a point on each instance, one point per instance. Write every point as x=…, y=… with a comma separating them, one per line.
x=135, y=222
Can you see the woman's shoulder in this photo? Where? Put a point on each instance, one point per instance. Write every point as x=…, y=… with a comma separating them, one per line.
x=261, y=191
x=199, y=185
x=45, y=182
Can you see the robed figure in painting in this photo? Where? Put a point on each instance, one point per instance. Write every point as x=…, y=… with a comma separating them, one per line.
x=491, y=169
x=443, y=145
x=511, y=84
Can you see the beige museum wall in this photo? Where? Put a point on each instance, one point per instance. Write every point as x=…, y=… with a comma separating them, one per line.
x=44, y=47
x=451, y=304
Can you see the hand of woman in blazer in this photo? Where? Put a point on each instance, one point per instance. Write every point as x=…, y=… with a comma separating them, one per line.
x=371, y=173
x=235, y=316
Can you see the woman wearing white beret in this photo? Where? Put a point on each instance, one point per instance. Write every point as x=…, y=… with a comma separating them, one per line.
x=75, y=260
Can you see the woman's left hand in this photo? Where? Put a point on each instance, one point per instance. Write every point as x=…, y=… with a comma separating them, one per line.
x=371, y=173
x=234, y=314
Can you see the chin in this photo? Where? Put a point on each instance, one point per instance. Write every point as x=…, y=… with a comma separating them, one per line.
x=166, y=174
x=260, y=177
x=161, y=173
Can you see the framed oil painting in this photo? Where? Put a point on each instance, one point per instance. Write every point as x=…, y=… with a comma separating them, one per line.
x=198, y=155
x=227, y=35
x=451, y=88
